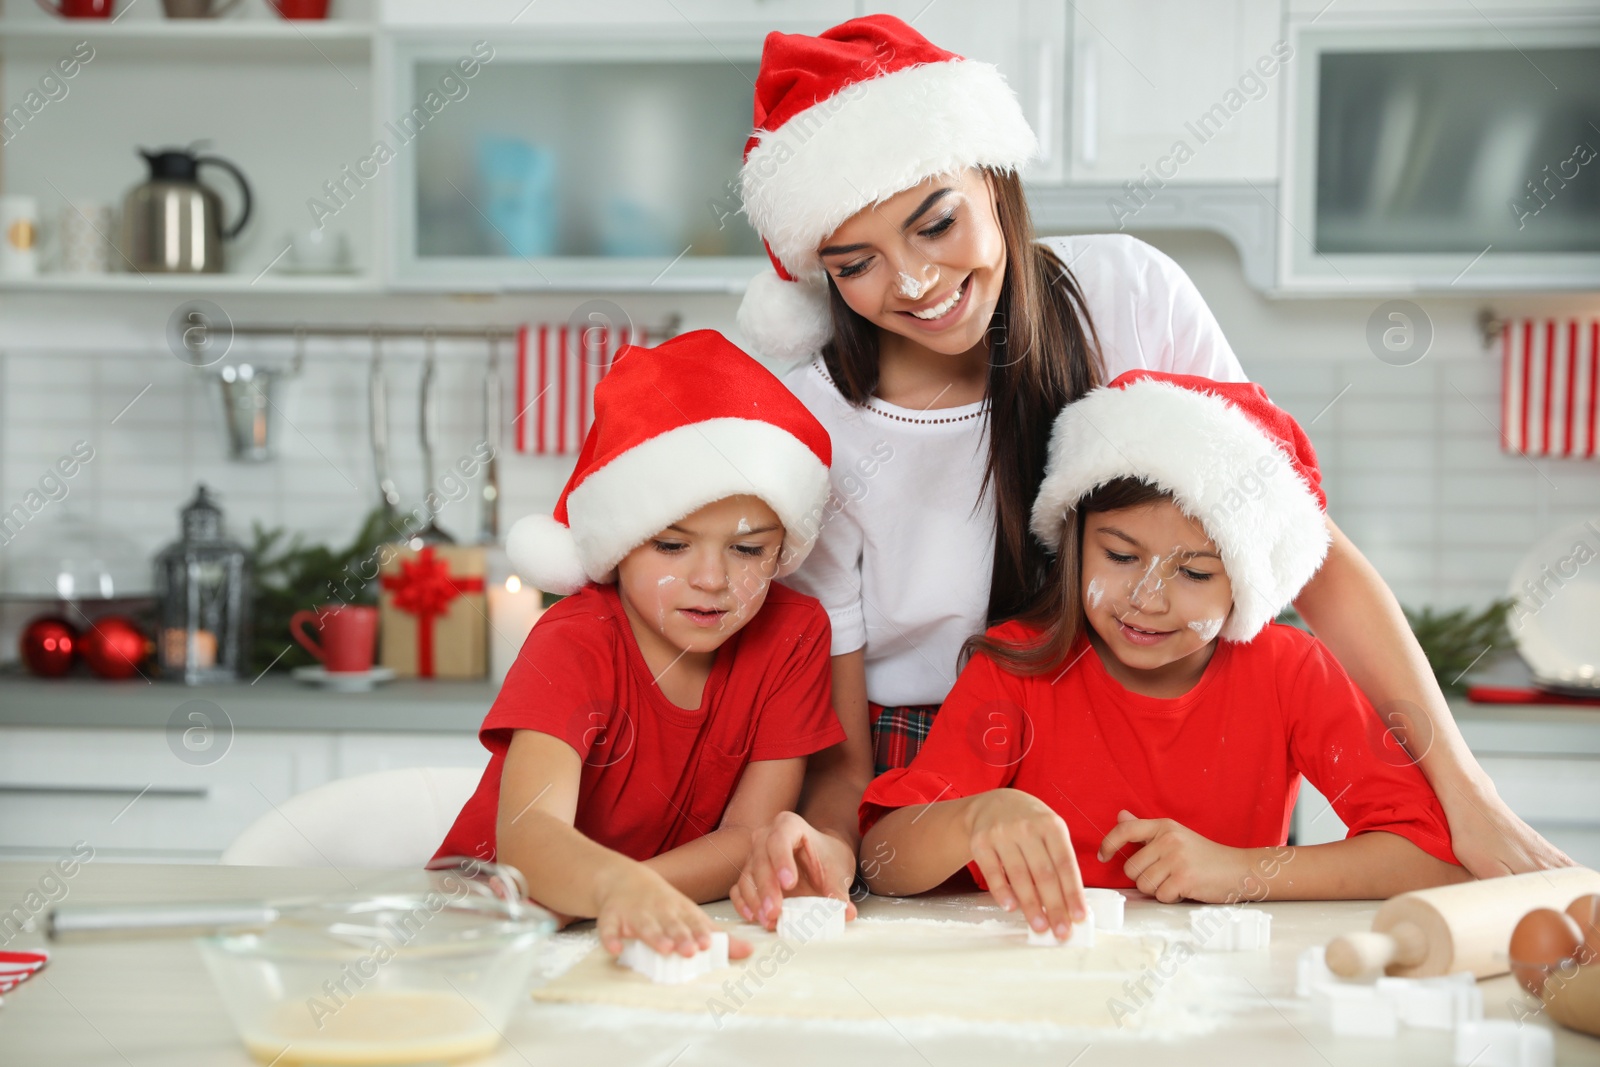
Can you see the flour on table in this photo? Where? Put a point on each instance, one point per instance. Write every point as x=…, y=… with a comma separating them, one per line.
x=924, y=970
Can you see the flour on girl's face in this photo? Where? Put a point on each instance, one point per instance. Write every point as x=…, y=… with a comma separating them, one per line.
x=744, y=526
x=1095, y=593
x=1206, y=628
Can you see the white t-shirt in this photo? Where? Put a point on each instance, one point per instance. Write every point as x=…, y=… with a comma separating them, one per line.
x=904, y=558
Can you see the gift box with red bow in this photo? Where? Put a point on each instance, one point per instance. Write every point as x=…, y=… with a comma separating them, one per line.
x=432, y=617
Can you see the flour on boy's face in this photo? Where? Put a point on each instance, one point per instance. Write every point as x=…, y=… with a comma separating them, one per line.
x=1154, y=588
x=692, y=586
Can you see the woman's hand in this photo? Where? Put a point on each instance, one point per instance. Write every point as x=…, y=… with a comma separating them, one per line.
x=790, y=857
x=1176, y=863
x=1025, y=853
x=636, y=902
x=1490, y=839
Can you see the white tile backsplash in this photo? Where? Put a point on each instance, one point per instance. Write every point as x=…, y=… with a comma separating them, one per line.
x=1410, y=455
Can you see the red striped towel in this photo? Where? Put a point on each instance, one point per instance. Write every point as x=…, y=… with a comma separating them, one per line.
x=17, y=967
x=1550, y=385
x=558, y=367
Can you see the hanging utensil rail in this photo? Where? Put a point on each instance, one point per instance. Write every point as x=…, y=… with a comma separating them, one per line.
x=668, y=327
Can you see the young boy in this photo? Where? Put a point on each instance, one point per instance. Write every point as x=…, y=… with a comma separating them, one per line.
x=665, y=709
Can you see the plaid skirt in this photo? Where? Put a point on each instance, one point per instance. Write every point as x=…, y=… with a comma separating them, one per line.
x=898, y=733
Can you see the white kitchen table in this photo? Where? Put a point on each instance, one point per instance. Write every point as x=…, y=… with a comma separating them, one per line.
x=133, y=1004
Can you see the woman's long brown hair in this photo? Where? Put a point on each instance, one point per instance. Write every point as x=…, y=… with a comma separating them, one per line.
x=1056, y=608
x=1043, y=354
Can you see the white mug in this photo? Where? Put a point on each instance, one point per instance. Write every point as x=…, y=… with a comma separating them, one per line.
x=19, y=236
x=84, y=237
x=318, y=252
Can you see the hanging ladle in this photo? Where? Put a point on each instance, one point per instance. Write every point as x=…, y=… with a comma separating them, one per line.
x=378, y=411
x=430, y=534
x=248, y=392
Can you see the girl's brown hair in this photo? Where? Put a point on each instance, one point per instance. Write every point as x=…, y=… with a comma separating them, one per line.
x=1056, y=609
x=1043, y=354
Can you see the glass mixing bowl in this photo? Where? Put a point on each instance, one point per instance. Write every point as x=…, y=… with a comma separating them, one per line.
x=409, y=977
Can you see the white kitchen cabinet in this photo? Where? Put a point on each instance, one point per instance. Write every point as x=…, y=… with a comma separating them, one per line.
x=808, y=16
x=1180, y=91
x=248, y=87
x=1545, y=764
x=130, y=796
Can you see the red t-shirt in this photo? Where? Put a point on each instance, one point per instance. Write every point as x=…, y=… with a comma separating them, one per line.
x=1224, y=759
x=655, y=775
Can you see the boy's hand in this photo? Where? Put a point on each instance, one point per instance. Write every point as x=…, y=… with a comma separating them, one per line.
x=1025, y=853
x=639, y=903
x=790, y=857
x=1176, y=863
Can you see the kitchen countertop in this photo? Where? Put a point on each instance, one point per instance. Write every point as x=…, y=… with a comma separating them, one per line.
x=151, y=1003
x=276, y=702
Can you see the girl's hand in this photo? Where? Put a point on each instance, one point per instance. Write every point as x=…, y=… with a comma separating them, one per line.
x=1176, y=863
x=1025, y=853
x=790, y=857
x=636, y=902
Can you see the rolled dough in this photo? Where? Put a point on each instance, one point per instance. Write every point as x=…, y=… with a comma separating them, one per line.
x=898, y=969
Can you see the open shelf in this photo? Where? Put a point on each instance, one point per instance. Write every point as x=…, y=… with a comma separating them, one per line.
x=227, y=283
x=185, y=38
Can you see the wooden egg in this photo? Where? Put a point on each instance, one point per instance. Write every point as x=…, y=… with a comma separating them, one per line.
x=1543, y=939
x=1585, y=911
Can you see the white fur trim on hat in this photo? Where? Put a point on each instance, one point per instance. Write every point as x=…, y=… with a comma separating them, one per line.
x=874, y=139
x=654, y=484
x=545, y=553
x=784, y=321
x=1222, y=469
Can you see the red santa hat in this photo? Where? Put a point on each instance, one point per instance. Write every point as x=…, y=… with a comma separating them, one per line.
x=1232, y=460
x=844, y=120
x=676, y=427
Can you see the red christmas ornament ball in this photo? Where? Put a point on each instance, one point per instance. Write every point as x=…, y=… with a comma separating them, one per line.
x=47, y=644
x=114, y=647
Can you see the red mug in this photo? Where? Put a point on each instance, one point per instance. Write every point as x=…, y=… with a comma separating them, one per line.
x=348, y=636
x=80, y=9
x=301, y=9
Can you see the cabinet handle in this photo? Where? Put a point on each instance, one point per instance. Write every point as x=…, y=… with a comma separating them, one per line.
x=1089, y=110
x=109, y=790
x=1044, y=112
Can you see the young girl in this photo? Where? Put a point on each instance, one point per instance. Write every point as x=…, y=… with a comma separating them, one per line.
x=938, y=341
x=1144, y=722
x=666, y=708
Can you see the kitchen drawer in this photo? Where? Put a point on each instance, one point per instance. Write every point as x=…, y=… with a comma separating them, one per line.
x=1551, y=792
x=365, y=752
x=1560, y=798
x=127, y=792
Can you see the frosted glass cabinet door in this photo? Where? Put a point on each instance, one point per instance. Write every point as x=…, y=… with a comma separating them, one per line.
x=572, y=165
x=1443, y=158
x=1452, y=151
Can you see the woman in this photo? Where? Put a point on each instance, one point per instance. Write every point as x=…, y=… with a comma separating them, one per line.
x=882, y=175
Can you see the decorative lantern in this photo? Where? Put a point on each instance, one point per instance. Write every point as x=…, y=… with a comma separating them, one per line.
x=203, y=581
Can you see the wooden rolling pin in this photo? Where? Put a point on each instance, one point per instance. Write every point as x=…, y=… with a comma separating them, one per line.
x=1463, y=927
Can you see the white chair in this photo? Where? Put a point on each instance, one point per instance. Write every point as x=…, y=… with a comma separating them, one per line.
x=386, y=819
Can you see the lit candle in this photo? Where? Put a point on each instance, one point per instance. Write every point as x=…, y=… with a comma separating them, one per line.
x=193, y=648
x=513, y=609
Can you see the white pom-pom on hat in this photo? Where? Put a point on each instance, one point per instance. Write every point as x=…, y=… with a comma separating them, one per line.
x=784, y=321
x=546, y=554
